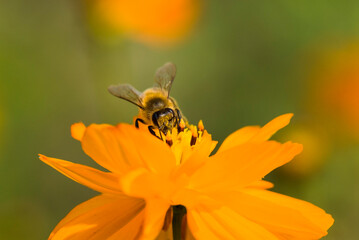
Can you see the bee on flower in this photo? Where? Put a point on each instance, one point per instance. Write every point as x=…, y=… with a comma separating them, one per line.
x=174, y=186
x=156, y=108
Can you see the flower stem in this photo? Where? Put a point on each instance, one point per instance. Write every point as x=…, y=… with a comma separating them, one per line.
x=177, y=229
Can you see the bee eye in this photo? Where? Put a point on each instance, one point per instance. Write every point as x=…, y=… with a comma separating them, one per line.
x=169, y=111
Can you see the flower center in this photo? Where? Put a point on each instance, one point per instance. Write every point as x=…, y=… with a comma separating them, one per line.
x=183, y=139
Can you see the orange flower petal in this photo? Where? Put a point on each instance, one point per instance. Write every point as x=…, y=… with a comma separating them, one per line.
x=156, y=155
x=90, y=177
x=78, y=130
x=271, y=128
x=131, y=230
x=109, y=148
x=122, y=148
x=280, y=214
x=85, y=207
x=144, y=184
x=100, y=218
x=239, y=137
x=262, y=184
x=198, y=156
x=242, y=165
x=223, y=223
x=255, y=133
x=155, y=213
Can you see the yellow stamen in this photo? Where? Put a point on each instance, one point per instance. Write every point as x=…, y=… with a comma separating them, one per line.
x=200, y=126
x=182, y=125
x=169, y=138
x=194, y=131
x=194, y=135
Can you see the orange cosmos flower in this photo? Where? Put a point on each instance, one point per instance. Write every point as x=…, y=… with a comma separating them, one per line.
x=335, y=89
x=155, y=21
x=224, y=195
x=317, y=148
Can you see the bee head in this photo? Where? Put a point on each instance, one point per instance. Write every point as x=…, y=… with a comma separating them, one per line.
x=164, y=119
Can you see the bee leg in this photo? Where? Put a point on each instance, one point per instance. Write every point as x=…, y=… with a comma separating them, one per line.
x=178, y=119
x=179, y=116
x=138, y=120
x=161, y=135
x=150, y=129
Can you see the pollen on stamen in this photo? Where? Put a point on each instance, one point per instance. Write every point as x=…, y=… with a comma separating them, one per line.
x=200, y=126
x=194, y=135
x=182, y=125
x=169, y=138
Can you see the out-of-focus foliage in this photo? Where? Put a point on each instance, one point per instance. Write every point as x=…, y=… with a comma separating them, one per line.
x=243, y=63
x=2, y=121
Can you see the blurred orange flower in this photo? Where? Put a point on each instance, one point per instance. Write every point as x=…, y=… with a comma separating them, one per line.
x=155, y=21
x=224, y=195
x=335, y=91
x=316, y=149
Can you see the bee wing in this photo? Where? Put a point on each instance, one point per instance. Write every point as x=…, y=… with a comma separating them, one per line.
x=164, y=77
x=127, y=92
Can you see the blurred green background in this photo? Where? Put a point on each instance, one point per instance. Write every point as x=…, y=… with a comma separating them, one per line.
x=243, y=63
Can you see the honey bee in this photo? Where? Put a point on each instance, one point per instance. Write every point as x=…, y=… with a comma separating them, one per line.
x=156, y=108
